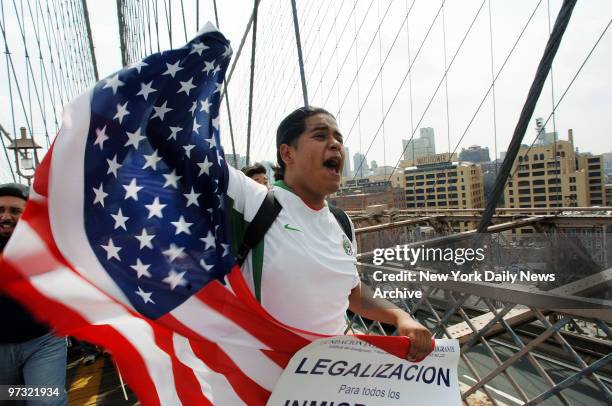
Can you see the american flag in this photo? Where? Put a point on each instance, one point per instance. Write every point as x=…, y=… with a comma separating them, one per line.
x=124, y=241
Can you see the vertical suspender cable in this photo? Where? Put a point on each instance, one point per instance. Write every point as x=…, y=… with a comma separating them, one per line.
x=360, y=167
x=227, y=104
x=409, y=74
x=552, y=96
x=254, y=43
x=446, y=79
x=184, y=24
x=2, y=133
x=90, y=39
x=216, y=14
x=120, y=19
x=298, y=42
x=493, y=89
x=544, y=66
x=382, y=94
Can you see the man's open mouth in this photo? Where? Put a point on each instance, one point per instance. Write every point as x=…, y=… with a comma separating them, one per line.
x=333, y=164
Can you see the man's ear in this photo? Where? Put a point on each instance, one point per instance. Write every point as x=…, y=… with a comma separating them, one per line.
x=286, y=153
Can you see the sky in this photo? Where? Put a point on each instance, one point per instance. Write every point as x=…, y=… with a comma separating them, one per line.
x=345, y=43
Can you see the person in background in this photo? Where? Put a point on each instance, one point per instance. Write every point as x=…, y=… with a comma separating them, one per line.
x=29, y=353
x=257, y=172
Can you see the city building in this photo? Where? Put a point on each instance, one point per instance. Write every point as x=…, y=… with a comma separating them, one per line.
x=422, y=146
x=360, y=165
x=358, y=194
x=607, y=158
x=490, y=170
x=239, y=162
x=346, y=170
x=544, y=138
x=475, y=154
x=442, y=182
x=608, y=192
x=554, y=175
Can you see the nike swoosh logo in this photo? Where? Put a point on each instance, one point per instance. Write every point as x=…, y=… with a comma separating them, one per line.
x=288, y=227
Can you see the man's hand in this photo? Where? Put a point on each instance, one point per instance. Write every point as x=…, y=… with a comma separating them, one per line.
x=362, y=302
x=420, y=337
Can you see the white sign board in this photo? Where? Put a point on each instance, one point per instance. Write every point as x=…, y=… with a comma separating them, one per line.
x=345, y=371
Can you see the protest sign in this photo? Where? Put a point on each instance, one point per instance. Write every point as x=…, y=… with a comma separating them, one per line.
x=346, y=371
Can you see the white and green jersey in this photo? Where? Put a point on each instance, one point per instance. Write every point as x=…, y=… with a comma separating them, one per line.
x=306, y=263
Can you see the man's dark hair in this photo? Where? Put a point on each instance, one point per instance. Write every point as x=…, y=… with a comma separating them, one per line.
x=254, y=169
x=15, y=190
x=290, y=129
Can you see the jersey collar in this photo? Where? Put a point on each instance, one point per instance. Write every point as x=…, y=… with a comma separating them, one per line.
x=281, y=184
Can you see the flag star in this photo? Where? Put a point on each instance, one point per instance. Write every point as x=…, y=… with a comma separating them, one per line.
x=173, y=252
x=113, y=82
x=218, y=87
x=193, y=107
x=198, y=47
x=174, y=130
x=196, y=126
x=186, y=86
x=204, y=265
x=134, y=138
x=132, y=190
x=181, y=226
x=226, y=249
x=171, y=179
x=152, y=160
x=155, y=209
x=161, y=111
x=145, y=239
x=188, y=149
x=205, y=105
x=100, y=137
x=100, y=195
x=122, y=111
x=112, y=251
x=175, y=279
x=172, y=69
x=212, y=142
x=208, y=66
x=217, y=69
x=141, y=269
x=215, y=123
x=205, y=167
x=113, y=166
x=120, y=220
x=227, y=52
x=146, y=296
x=192, y=198
x=145, y=90
x=209, y=241
x=219, y=158
x=138, y=65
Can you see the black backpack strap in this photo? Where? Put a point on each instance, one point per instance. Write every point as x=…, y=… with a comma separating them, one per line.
x=343, y=220
x=255, y=231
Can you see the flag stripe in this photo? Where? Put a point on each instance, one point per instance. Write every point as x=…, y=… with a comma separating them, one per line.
x=256, y=365
x=271, y=333
x=66, y=321
x=215, y=386
x=201, y=320
x=247, y=389
x=184, y=377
